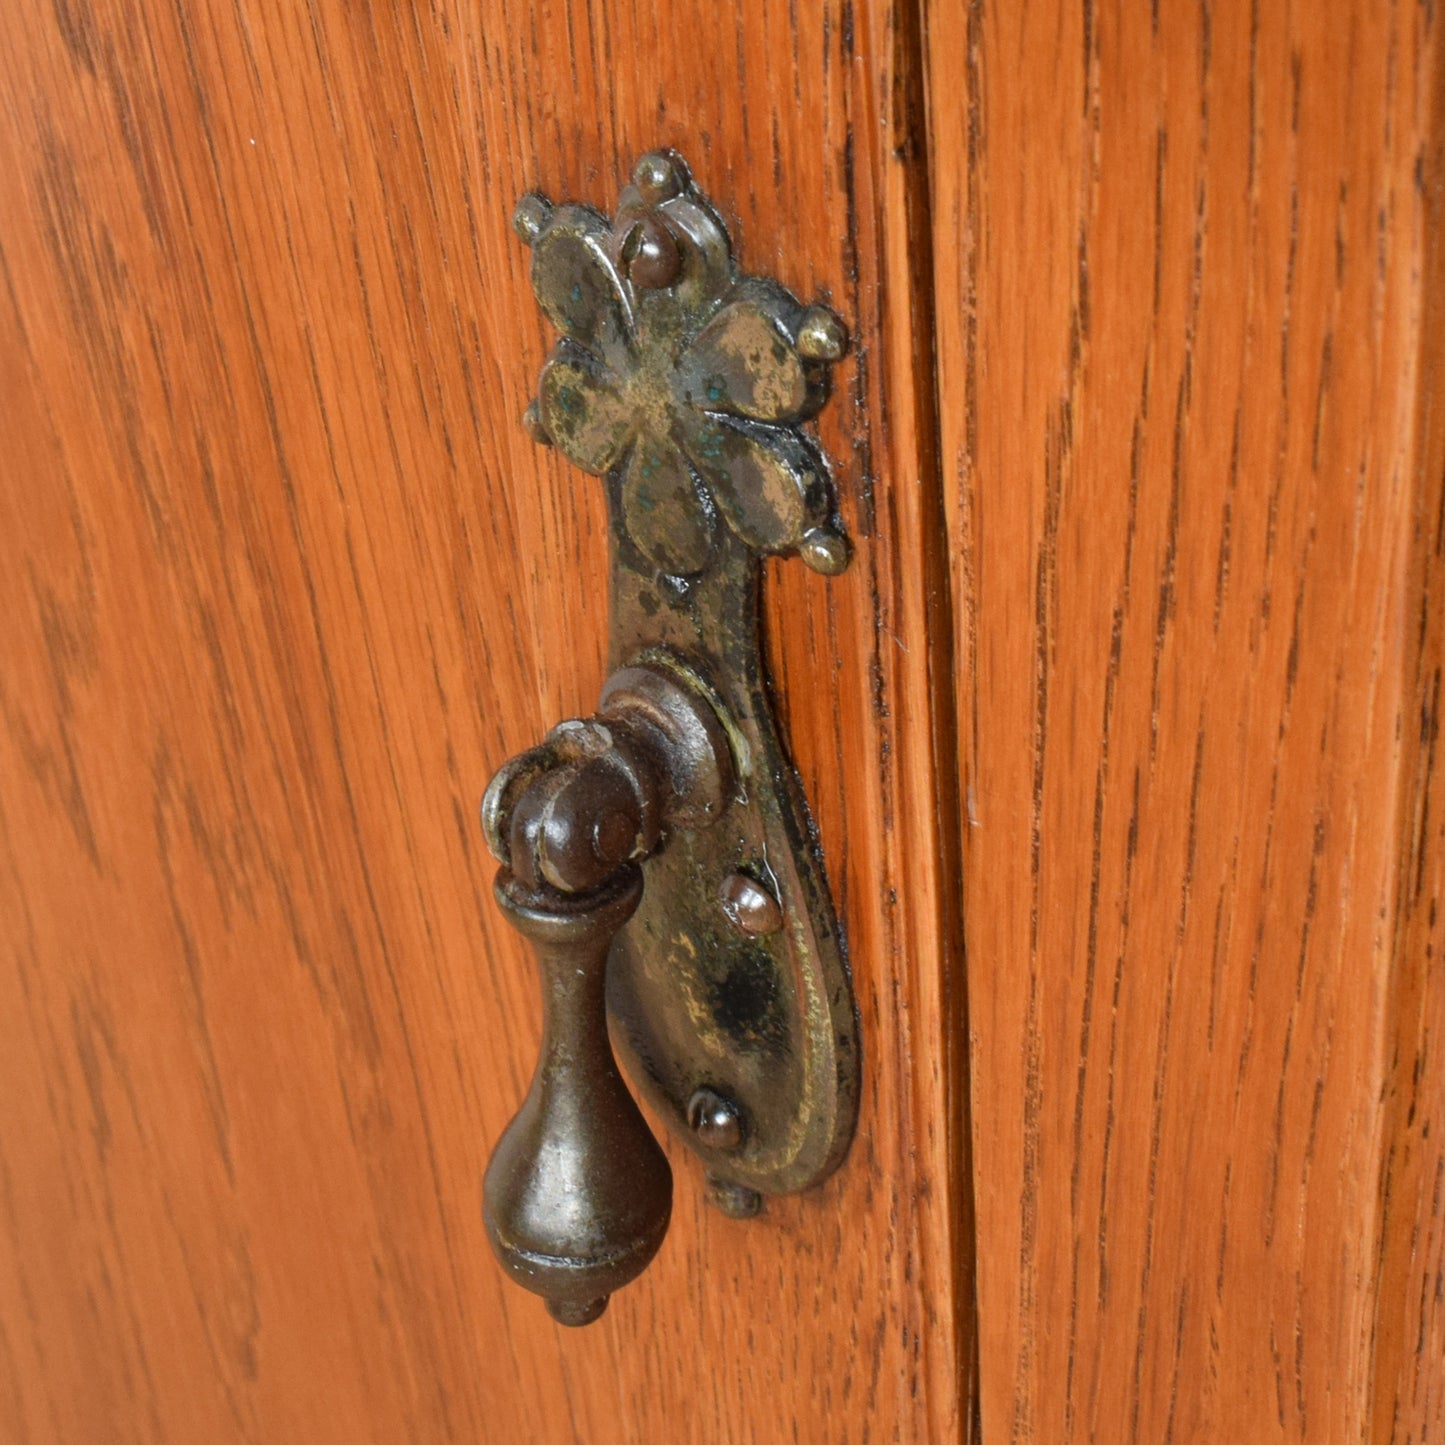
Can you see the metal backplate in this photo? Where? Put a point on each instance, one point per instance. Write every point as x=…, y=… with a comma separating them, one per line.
x=683, y=384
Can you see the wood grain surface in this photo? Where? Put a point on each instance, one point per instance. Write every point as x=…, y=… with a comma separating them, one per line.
x=1189, y=354
x=282, y=582
x=1408, y=1398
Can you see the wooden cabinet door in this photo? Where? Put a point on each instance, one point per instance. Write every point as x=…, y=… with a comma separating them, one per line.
x=284, y=580
x=1120, y=732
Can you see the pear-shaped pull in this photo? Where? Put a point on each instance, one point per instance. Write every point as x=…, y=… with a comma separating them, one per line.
x=578, y=1194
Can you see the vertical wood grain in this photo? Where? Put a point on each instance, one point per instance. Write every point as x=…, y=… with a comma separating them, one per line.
x=283, y=582
x=1188, y=375
x=1408, y=1394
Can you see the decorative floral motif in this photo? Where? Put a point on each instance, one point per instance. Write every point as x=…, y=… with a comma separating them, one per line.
x=685, y=379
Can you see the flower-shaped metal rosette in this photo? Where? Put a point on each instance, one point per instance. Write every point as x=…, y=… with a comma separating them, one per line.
x=684, y=377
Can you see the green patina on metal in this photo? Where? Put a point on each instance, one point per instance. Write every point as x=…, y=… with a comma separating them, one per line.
x=675, y=368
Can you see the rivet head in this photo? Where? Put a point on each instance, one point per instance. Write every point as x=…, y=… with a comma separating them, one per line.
x=750, y=908
x=715, y=1120
x=656, y=177
x=825, y=551
x=529, y=220
x=821, y=335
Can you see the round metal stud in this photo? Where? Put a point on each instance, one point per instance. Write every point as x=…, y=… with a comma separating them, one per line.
x=821, y=335
x=715, y=1120
x=656, y=177
x=824, y=551
x=750, y=908
x=529, y=220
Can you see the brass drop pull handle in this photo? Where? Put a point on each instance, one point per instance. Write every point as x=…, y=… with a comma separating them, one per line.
x=578, y=1194
x=658, y=855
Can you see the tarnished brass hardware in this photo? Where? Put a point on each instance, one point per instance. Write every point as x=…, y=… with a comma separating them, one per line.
x=682, y=383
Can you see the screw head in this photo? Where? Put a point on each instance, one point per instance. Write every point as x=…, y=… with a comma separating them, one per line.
x=750, y=908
